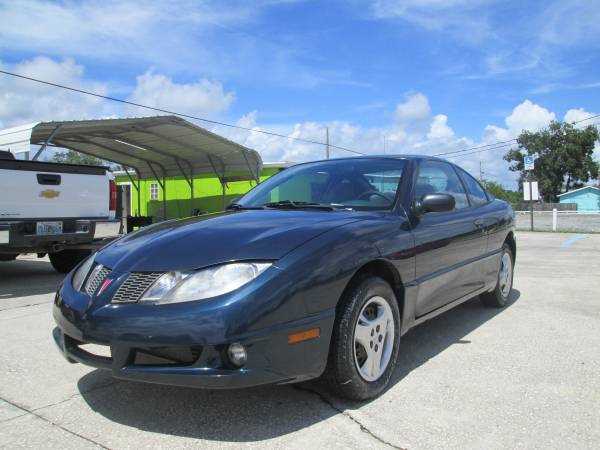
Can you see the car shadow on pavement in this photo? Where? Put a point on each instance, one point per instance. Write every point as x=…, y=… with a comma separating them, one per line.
x=221, y=415
x=432, y=337
x=264, y=413
x=27, y=277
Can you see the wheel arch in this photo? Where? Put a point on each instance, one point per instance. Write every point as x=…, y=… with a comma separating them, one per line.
x=385, y=270
x=512, y=243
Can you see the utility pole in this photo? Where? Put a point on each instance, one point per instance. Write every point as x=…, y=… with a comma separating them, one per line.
x=327, y=142
x=480, y=170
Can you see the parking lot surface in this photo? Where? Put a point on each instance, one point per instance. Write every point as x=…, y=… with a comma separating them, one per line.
x=524, y=376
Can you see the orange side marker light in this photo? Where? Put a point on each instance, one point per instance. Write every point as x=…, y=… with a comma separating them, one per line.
x=313, y=333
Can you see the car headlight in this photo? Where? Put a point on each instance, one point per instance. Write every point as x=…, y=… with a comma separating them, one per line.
x=177, y=287
x=82, y=272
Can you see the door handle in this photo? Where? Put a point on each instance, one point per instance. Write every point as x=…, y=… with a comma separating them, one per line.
x=479, y=223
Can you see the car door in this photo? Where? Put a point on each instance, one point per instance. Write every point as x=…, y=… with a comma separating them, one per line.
x=488, y=218
x=447, y=243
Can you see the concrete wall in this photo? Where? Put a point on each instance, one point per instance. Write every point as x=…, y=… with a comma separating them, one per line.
x=566, y=221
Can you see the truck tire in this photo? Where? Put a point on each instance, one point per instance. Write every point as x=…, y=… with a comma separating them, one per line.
x=66, y=260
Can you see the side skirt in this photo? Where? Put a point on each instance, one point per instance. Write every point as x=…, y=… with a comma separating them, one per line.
x=443, y=309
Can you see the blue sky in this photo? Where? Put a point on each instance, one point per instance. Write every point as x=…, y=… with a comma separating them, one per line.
x=428, y=76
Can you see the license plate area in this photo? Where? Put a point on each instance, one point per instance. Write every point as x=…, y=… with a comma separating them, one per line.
x=49, y=228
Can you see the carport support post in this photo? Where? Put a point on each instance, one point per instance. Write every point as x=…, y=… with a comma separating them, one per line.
x=137, y=188
x=223, y=191
x=164, y=198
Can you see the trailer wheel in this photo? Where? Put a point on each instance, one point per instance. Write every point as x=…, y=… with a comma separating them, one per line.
x=66, y=260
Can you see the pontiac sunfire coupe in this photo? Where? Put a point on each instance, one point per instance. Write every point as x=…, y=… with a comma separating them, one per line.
x=317, y=271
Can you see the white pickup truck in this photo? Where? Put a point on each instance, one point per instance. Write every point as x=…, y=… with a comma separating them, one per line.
x=63, y=210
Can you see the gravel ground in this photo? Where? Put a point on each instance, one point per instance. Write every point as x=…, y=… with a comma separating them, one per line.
x=525, y=376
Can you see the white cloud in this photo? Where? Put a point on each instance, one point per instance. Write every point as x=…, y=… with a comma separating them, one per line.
x=184, y=37
x=23, y=101
x=439, y=128
x=462, y=18
x=525, y=116
x=412, y=130
x=414, y=108
x=109, y=28
x=529, y=116
x=576, y=115
x=434, y=138
x=567, y=23
x=203, y=97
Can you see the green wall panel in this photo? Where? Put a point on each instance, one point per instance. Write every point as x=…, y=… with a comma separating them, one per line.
x=208, y=194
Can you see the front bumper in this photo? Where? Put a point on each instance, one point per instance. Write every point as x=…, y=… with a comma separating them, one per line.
x=141, y=330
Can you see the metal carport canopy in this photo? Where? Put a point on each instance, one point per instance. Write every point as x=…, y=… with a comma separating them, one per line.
x=155, y=147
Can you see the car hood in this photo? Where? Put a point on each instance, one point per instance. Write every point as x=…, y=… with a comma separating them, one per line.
x=210, y=239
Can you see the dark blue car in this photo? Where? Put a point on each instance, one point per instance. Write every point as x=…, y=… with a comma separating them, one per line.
x=317, y=271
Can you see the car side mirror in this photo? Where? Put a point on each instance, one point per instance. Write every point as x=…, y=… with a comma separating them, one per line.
x=233, y=201
x=437, y=203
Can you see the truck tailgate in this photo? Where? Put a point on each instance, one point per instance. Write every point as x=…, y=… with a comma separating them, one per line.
x=26, y=194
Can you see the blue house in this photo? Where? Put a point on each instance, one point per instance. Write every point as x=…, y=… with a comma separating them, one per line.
x=587, y=198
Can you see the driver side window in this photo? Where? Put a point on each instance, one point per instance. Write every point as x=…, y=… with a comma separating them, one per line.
x=438, y=177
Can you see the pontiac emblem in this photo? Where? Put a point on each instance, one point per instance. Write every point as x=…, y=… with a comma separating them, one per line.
x=49, y=193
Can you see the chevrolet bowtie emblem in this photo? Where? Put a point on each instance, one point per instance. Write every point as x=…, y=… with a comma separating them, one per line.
x=49, y=193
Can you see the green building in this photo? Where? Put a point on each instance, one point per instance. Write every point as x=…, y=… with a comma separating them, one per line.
x=209, y=195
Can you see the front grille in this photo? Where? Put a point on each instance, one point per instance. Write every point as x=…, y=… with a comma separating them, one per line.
x=95, y=279
x=134, y=286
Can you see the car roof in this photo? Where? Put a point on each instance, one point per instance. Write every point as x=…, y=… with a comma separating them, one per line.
x=398, y=156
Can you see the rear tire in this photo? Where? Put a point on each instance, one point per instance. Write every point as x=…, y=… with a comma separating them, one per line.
x=66, y=260
x=365, y=340
x=498, y=298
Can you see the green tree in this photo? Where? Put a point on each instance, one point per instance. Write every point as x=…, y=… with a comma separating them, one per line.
x=73, y=157
x=498, y=191
x=563, y=157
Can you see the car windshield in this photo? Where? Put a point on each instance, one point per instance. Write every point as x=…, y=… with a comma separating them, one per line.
x=362, y=184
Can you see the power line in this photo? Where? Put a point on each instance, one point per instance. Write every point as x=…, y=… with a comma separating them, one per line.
x=587, y=118
x=166, y=111
x=266, y=132
x=507, y=142
x=504, y=146
x=473, y=148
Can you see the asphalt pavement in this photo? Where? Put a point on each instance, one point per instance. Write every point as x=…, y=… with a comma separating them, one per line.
x=524, y=376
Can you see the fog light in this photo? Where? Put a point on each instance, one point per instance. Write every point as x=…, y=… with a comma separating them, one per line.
x=237, y=354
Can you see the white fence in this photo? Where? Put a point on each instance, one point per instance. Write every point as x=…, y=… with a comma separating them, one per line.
x=584, y=222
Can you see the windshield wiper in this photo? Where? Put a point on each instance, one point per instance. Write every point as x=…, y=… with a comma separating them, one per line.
x=288, y=204
x=237, y=207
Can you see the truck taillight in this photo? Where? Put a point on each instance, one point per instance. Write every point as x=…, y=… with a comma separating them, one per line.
x=112, y=196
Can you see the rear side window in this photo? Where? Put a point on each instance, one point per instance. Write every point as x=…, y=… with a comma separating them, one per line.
x=474, y=189
x=438, y=177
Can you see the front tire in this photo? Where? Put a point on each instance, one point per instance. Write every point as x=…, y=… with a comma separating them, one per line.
x=365, y=340
x=66, y=260
x=498, y=298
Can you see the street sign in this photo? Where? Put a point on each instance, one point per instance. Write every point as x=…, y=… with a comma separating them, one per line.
x=529, y=162
x=530, y=191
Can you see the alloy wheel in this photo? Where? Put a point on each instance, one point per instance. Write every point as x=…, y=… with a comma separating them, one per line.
x=505, y=275
x=374, y=338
